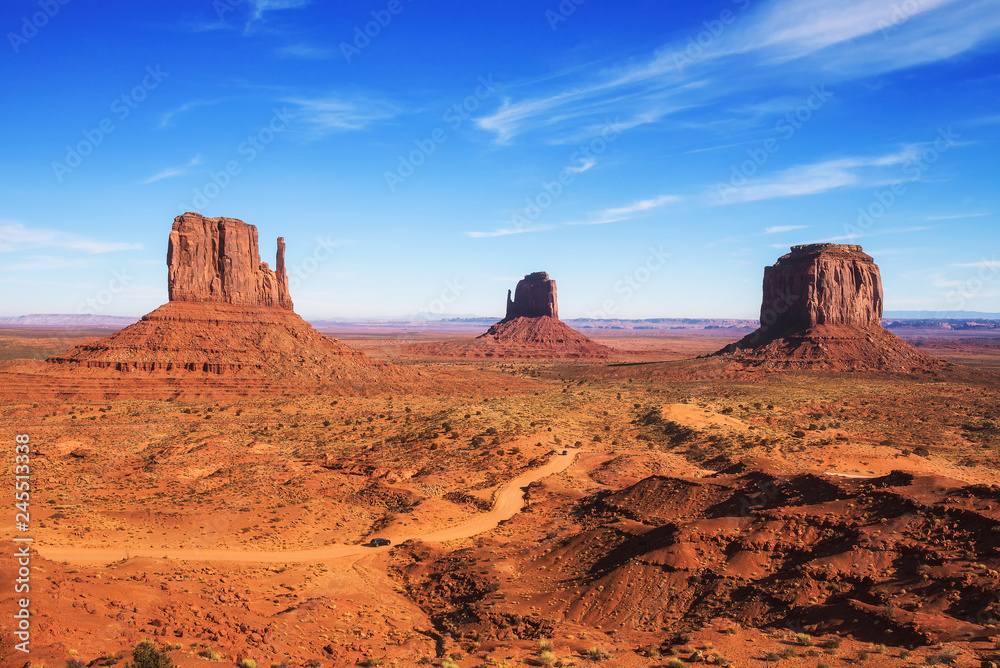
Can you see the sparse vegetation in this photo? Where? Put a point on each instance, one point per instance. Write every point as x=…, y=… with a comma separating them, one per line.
x=147, y=655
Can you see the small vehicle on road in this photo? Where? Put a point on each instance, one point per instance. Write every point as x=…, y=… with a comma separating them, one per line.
x=379, y=542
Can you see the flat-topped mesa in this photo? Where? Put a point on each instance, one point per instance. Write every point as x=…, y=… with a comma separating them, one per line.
x=822, y=284
x=218, y=260
x=534, y=297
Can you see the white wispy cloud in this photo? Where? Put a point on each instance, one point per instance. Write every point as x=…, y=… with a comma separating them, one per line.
x=187, y=106
x=817, y=178
x=16, y=237
x=260, y=7
x=634, y=210
x=506, y=231
x=877, y=233
x=797, y=28
x=777, y=229
x=982, y=264
x=835, y=39
x=306, y=51
x=956, y=216
x=329, y=114
x=170, y=172
x=587, y=163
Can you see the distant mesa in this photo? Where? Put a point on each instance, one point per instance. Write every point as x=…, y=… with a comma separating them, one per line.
x=822, y=308
x=229, y=313
x=531, y=329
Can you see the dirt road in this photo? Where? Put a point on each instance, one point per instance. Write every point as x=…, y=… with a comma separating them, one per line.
x=509, y=501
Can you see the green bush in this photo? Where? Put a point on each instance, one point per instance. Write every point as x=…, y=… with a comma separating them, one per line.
x=146, y=655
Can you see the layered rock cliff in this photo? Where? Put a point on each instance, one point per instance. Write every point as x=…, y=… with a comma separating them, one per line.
x=218, y=260
x=229, y=314
x=822, y=284
x=822, y=308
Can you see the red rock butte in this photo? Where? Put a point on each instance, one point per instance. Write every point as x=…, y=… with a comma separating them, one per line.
x=532, y=327
x=822, y=308
x=534, y=297
x=218, y=260
x=228, y=314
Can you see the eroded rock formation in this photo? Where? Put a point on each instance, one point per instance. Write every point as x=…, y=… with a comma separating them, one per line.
x=822, y=284
x=822, y=308
x=229, y=314
x=534, y=297
x=218, y=260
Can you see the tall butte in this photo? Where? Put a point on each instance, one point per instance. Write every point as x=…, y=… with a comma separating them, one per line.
x=822, y=308
x=229, y=313
x=532, y=328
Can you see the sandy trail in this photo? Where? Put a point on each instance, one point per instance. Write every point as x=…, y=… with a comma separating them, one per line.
x=509, y=502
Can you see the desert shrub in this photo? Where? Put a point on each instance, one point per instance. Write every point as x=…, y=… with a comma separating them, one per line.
x=446, y=427
x=787, y=653
x=803, y=639
x=76, y=663
x=947, y=657
x=877, y=649
x=831, y=643
x=248, y=663
x=478, y=441
x=546, y=657
x=798, y=433
x=210, y=654
x=677, y=433
x=649, y=416
x=544, y=643
x=448, y=662
x=597, y=654
x=371, y=662
x=675, y=663
x=146, y=655
x=326, y=423
x=921, y=451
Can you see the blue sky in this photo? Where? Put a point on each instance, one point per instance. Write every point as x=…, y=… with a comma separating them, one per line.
x=422, y=156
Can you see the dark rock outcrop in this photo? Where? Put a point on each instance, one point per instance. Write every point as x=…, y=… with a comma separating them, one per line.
x=534, y=297
x=218, y=260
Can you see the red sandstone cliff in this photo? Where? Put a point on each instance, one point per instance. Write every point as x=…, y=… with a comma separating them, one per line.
x=218, y=260
x=822, y=308
x=534, y=297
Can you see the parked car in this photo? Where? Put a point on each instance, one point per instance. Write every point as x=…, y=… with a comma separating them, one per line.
x=379, y=542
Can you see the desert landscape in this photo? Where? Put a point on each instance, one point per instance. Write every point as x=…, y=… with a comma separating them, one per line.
x=819, y=493
x=549, y=334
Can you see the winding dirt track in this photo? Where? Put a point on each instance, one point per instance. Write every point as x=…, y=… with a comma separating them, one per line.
x=509, y=501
